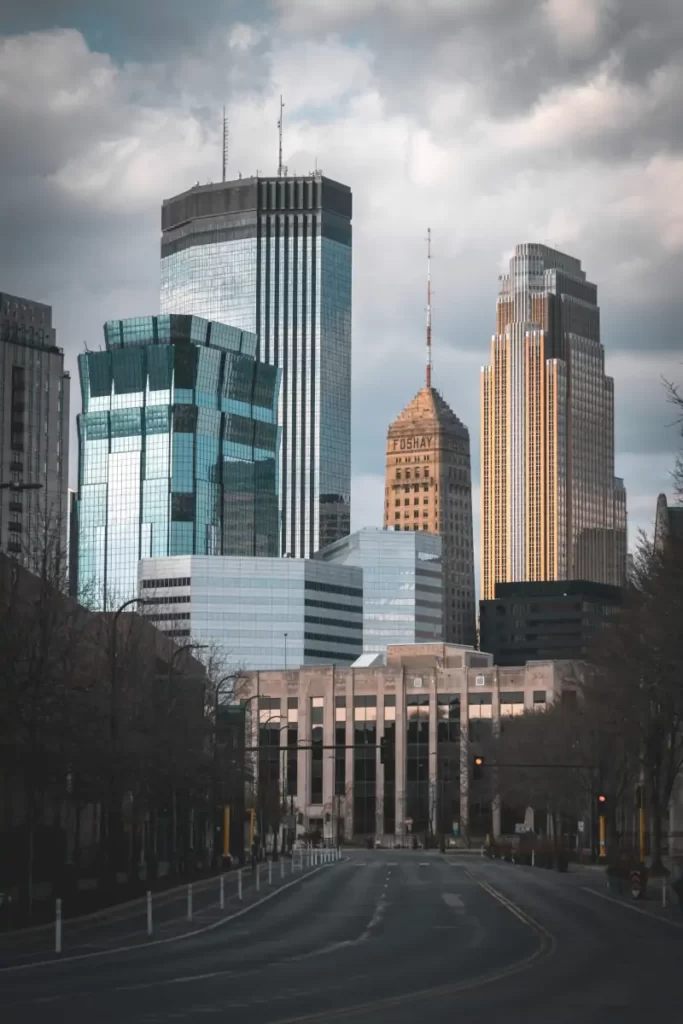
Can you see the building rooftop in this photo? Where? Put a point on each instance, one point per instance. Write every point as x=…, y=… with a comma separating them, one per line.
x=430, y=408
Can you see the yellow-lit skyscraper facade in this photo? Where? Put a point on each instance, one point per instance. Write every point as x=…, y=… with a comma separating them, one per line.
x=552, y=508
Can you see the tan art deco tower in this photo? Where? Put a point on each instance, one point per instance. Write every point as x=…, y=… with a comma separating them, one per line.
x=428, y=486
x=552, y=508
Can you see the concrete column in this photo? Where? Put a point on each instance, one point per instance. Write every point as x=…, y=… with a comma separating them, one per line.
x=379, y=767
x=282, y=767
x=328, y=740
x=464, y=757
x=495, y=711
x=401, y=755
x=433, y=747
x=304, y=756
x=348, y=796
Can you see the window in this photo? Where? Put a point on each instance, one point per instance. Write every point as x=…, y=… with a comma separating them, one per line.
x=340, y=748
x=317, y=712
x=364, y=763
x=511, y=702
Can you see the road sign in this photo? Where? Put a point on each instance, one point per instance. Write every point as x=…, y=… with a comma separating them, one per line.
x=581, y=826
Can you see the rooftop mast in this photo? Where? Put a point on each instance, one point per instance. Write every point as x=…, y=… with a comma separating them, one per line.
x=280, y=168
x=225, y=144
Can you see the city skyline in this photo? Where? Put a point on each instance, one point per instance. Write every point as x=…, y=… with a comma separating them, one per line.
x=488, y=170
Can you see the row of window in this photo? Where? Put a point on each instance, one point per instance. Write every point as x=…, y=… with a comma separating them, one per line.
x=177, y=581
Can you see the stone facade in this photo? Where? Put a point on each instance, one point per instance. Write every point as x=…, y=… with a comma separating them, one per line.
x=429, y=674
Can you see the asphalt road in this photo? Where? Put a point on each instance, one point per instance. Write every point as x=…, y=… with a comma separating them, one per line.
x=383, y=936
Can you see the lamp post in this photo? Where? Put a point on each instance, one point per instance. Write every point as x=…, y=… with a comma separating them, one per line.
x=176, y=653
x=225, y=807
x=114, y=802
x=285, y=636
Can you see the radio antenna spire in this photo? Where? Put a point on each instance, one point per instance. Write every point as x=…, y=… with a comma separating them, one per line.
x=280, y=168
x=429, y=307
x=225, y=144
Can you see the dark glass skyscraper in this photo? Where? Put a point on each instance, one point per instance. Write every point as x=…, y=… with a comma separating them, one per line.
x=273, y=256
x=34, y=435
x=178, y=446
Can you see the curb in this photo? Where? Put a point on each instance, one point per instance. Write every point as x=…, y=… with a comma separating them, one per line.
x=174, y=938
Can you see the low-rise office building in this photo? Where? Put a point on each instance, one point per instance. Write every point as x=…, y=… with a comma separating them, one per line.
x=261, y=613
x=384, y=751
x=546, y=620
x=403, y=600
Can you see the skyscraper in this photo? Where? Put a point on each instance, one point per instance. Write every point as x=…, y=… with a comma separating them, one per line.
x=273, y=256
x=428, y=486
x=34, y=434
x=178, y=450
x=552, y=508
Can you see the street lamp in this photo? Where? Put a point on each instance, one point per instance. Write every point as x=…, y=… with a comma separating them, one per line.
x=177, y=652
x=285, y=636
x=114, y=727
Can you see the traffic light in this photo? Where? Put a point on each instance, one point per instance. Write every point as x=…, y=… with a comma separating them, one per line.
x=477, y=765
x=382, y=749
x=602, y=803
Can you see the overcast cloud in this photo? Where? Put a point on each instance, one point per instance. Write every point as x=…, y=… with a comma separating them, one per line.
x=491, y=121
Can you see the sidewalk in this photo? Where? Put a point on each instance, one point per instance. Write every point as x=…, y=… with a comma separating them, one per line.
x=659, y=900
x=174, y=913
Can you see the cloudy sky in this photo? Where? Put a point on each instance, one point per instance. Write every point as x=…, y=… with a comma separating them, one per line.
x=493, y=121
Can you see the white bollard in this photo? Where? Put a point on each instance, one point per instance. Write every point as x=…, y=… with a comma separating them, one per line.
x=58, y=926
x=270, y=871
x=258, y=877
x=221, y=894
x=149, y=913
x=239, y=883
x=189, y=901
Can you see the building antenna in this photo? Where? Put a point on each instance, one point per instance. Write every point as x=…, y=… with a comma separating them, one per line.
x=225, y=144
x=280, y=168
x=429, y=307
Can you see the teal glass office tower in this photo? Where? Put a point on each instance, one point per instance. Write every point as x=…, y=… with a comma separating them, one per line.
x=273, y=256
x=178, y=450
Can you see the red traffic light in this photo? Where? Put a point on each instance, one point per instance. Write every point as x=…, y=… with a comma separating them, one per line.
x=602, y=799
x=478, y=761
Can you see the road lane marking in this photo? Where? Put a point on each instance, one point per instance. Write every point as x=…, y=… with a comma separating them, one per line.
x=630, y=906
x=173, y=938
x=545, y=949
x=451, y=899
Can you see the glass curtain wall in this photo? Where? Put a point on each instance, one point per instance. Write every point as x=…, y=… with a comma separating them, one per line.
x=448, y=764
x=178, y=450
x=317, y=712
x=364, y=764
x=389, y=809
x=417, y=764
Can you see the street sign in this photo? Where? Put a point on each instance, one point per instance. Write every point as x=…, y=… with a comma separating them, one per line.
x=521, y=827
x=581, y=826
